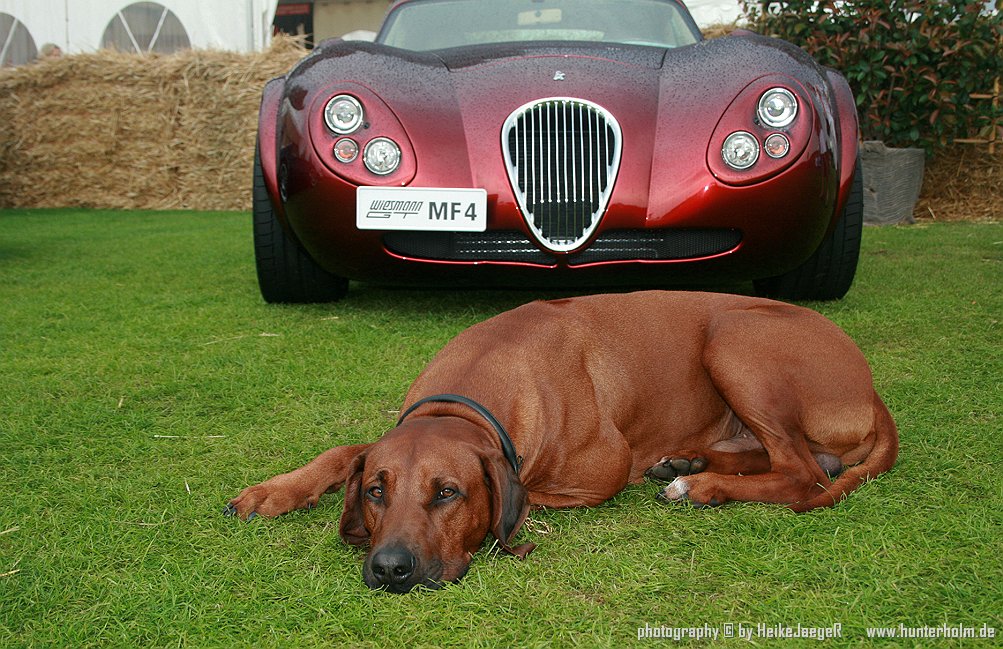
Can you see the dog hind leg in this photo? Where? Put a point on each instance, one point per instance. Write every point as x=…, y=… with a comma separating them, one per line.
x=800, y=387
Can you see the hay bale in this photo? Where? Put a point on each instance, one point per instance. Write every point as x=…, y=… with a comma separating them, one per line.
x=718, y=30
x=115, y=130
x=963, y=182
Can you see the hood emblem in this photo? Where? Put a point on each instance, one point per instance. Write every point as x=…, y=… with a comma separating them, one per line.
x=558, y=76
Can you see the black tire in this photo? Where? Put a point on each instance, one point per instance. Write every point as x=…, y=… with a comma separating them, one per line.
x=286, y=273
x=828, y=273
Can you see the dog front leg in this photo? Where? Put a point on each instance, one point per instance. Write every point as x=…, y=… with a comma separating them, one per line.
x=299, y=489
x=683, y=463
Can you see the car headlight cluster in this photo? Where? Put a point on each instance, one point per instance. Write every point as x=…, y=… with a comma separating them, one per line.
x=344, y=115
x=777, y=109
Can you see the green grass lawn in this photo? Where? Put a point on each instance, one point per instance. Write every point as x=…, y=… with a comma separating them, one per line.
x=143, y=382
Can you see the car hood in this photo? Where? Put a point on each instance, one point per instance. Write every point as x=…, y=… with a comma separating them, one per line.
x=461, y=58
x=703, y=73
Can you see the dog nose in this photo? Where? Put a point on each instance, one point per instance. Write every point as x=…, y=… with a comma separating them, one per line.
x=392, y=566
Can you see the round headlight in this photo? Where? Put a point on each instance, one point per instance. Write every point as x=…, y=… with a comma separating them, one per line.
x=740, y=150
x=778, y=107
x=382, y=156
x=346, y=150
x=343, y=114
x=777, y=145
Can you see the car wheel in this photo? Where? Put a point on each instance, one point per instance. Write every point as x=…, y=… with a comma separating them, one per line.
x=286, y=273
x=828, y=273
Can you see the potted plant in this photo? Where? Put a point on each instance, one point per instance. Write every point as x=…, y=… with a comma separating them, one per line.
x=913, y=66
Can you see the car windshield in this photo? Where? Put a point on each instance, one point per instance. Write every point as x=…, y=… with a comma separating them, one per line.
x=438, y=24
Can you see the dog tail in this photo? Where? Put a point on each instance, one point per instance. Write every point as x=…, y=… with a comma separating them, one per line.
x=880, y=459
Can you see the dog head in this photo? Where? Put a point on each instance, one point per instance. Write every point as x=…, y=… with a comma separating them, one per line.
x=424, y=498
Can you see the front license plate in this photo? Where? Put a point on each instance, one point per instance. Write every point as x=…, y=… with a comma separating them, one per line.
x=421, y=208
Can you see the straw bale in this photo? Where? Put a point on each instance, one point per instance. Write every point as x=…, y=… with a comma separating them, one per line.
x=115, y=130
x=963, y=182
x=717, y=30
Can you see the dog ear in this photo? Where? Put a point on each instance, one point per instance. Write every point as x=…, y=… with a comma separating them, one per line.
x=353, y=528
x=509, y=503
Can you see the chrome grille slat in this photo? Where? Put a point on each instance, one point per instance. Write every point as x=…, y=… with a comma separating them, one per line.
x=562, y=156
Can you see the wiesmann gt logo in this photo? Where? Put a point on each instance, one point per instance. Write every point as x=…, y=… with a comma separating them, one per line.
x=558, y=76
x=436, y=210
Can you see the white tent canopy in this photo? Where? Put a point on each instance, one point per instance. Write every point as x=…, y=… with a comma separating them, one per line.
x=167, y=25
x=714, y=12
x=87, y=25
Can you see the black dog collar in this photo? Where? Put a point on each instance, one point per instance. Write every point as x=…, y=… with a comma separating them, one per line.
x=506, y=442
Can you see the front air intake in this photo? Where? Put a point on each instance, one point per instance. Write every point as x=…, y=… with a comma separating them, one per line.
x=562, y=157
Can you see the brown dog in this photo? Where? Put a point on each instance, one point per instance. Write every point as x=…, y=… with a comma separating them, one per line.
x=563, y=403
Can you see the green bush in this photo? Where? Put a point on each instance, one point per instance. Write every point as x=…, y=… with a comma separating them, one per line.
x=914, y=65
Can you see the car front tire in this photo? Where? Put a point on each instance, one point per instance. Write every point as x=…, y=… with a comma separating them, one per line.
x=828, y=273
x=286, y=273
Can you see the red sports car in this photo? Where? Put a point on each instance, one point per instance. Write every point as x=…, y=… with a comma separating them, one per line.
x=560, y=143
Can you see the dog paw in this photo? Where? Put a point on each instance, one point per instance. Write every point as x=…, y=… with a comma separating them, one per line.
x=270, y=498
x=693, y=489
x=673, y=466
x=675, y=491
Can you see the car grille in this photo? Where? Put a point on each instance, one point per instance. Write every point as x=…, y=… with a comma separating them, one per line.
x=513, y=246
x=562, y=157
x=620, y=245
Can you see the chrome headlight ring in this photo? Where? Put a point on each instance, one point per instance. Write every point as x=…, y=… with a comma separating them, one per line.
x=777, y=145
x=343, y=114
x=740, y=150
x=382, y=156
x=778, y=107
x=346, y=150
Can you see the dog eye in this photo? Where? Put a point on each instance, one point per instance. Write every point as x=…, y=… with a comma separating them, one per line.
x=376, y=493
x=445, y=494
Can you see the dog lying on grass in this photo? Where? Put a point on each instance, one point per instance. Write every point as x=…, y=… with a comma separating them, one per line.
x=564, y=403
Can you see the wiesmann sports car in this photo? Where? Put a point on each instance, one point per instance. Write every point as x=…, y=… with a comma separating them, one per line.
x=556, y=142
